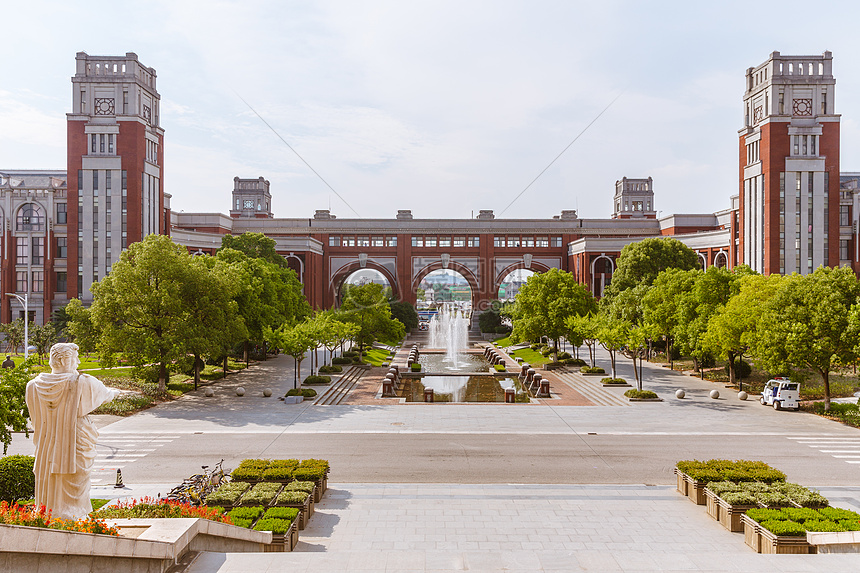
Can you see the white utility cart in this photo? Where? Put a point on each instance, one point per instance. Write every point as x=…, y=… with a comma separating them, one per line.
x=781, y=393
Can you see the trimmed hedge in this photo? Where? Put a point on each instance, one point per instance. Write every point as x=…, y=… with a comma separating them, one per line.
x=303, y=486
x=251, y=513
x=292, y=497
x=247, y=473
x=305, y=392
x=330, y=368
x=592, y=370
x=16, y=478
x=642, y=394
x=228, y=493
x=280, y=474
x=350, y=353
x=280, y=526
x=728, y=470
x=308, y=474
x=311, y=380
x=572, y=361
x=289, y=513
x=613, y=381
x=341, y=360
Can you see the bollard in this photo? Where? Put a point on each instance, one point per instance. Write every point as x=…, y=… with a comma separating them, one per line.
x=510, y=396
x=530, y=375
x=524, y=370
x=428, y=394
x=536, y=379
x=388, y=389
x=543, y=392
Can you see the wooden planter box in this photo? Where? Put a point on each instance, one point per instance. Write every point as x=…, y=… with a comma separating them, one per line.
x=712, y=502
x=320, y=489
x=730, y=515
x=695, y=490
x=682, y=481
x=285, y=541
x=763, y=541
x=305, y=510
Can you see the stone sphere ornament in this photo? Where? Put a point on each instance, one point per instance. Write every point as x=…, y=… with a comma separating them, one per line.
x=679, y=394
x=742, y=395
x=715, y=394
x=267, y=393
x=240, y=391
x=209, y=392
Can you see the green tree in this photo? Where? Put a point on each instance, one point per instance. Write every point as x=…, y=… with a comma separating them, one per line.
x=43, y=337
x=639, y=263
x=255, y=246
x=731, y=331
x=545, y=302
x=366, y=307
x=142, y=308
x=333, y=332
x=405, y=312
x=268, y=296
x=13, y=407
x=635, y=347
x=711, y=291
x=584, y=328
x=79, y=328
x=806, y=323
x=612, y=334
x=293, y=341
x=214, y=323
x=661, y=304
x=14, y=332
x=60, y=319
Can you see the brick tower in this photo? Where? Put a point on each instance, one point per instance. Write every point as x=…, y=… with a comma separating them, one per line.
x=789, y=166
x=115, y=165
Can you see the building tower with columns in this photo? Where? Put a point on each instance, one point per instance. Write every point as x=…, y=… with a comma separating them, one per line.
x=115, y=165
x=789, y=166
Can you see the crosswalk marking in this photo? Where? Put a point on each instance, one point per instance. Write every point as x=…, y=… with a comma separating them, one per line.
x=839, y=447
x=115, y=452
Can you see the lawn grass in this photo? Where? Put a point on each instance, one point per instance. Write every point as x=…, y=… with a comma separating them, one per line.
x=375, y=356
x=502, y=342
x=533, y=357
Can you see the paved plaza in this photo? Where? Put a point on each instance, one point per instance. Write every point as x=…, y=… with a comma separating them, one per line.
x=497, y=487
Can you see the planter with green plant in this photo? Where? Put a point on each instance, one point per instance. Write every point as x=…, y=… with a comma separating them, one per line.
x=635, y=395
x=416, y=367
x=592, y=370
x=261, y=494
x=698, y=474
x=317, y=380
x=317, y=475
x=773, y=535
x=228, y=494
x=301, y=500
x=281, y=521
x=619, y=382
x=500, y=368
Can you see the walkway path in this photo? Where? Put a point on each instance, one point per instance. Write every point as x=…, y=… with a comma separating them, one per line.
x=515, y=528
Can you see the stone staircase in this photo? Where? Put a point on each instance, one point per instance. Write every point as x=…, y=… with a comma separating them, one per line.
x=334, y=394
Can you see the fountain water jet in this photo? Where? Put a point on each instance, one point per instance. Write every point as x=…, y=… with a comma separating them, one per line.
x=449, y=330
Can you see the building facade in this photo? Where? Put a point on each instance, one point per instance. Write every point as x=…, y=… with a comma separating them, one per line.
x=789, y=166
x=62, y=230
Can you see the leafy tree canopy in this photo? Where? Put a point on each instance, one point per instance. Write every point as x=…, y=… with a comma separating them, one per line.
x=367, y=307
x=544, y=304
x=256, y=246
x=641, y=262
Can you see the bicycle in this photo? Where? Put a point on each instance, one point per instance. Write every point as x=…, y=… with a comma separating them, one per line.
x=195, y=488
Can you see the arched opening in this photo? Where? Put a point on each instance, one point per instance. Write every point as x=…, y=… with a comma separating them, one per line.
x=362, y=277
x=512, y=283
x=602, y=268
x=703, y=261
x=29, y=218
x=444, y=285
x=721, y=260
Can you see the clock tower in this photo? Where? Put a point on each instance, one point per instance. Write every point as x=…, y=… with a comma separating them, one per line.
x=251, y=198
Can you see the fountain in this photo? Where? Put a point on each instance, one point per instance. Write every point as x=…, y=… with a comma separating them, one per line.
x=448, y=330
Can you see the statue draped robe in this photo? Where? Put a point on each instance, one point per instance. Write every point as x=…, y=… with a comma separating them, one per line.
x=65, y=439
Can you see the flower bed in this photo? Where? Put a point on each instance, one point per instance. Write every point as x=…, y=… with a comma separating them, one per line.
x=30, y=516
x=149, y=508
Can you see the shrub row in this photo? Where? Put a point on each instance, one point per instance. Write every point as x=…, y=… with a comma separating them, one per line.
x=797, y=521
x=592, y=370
x=776, y=493
x=641, y=394
x=613, y=381
x=728, y=470
x=16, y=478
x=305, y=392
x=330, y=369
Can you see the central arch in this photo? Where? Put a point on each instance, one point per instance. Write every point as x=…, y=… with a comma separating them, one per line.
x=462, y=270
x=337, y=280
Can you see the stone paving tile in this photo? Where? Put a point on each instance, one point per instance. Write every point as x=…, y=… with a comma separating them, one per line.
x=497, y=529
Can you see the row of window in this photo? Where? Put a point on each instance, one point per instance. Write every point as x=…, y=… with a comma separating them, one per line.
x=444, y=241
x=102, y=143
x=804, y=145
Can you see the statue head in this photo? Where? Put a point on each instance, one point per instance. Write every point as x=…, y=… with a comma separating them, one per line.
x=64, y=357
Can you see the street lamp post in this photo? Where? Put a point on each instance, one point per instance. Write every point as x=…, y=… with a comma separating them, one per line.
x=24, y=301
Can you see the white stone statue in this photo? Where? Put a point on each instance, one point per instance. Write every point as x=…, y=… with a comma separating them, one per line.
x=64, y=436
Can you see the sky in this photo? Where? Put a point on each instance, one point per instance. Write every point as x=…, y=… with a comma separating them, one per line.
x=442, y=107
